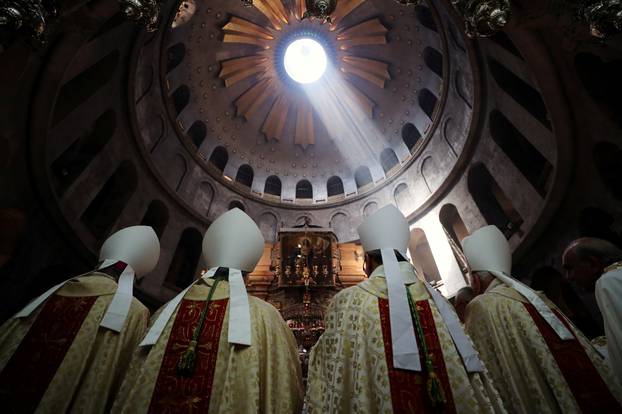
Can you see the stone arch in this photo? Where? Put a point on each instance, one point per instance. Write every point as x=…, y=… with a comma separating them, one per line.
x=174, y=56
x=273, y=186
x=496, y=208
x=74, y=160
x=430, y=172
x=433, y=60
x=219, y=158
x=203, y=198
x=334, y=186
x=411, y=136
x=422, y=257
x=304, y=190
x=107, y=206
x=84, y=85
x=523, y=93
x=403, y=198
x=181, y=271
x=156, y=217
x=427, y=102
x=340, y=223
x=388, y=160
x=197, y=133
x=362, y=177
x=268, y=224
x=245, y=175
x=177, y=171
x=370, y=208
x=181, y=98
x=529, y=161
x=453, y=224
x=237, y=204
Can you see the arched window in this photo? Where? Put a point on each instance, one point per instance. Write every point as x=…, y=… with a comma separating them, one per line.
x=411, y=136
x=427, y=102
x=219, y=158
x=519, y=150
x=245, y=175
x=203, y=198
x=403, y=198
x=433, y=60
x=453, y=224
x=108, y=204
x=422, y=257
x=304, y=190
x=74, y=160
x=607, y=158
x=601, y=80
x=388, y=160
x=181, y=97
x=84, y=85
x=504, y=41
x=272, y=186
x=156, y=216
x=197, y=133
x=175, y=54
x=181, y=271
x=424, y=15
x=492, y=202
x=236, y=204
x=522, y=92
x=334, y=186
x=362, y=177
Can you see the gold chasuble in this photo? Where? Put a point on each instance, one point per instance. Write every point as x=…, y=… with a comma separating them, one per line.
x=351, y=367
x=59, y=359
x=534, y=370
x=264, y=377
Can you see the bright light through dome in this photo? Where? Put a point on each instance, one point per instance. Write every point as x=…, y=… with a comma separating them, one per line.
x=305, y=61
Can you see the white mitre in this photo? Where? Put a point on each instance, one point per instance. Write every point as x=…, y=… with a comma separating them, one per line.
x=233, y=241
x=139, y=248
x=487, y=250
x=387, y=230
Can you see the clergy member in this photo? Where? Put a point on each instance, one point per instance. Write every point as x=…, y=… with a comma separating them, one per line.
x=540, y=362
x=67, y=350
x=393, y=344
x=214, y=349
x=596, y=265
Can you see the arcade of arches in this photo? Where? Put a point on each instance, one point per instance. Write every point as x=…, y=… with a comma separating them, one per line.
x=109, y=126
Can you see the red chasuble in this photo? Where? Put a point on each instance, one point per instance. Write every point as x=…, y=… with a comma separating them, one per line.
x=587, y=386
x=409, y=392
x=178, y=394
x=28, y=373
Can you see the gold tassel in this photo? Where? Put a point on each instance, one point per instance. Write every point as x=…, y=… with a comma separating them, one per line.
x=435, y=390
x=185, y=366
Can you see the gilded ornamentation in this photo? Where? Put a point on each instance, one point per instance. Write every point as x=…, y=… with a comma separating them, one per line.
x=604, y=17
x=320, y=9
x=29, y=17
x=144, y=12
x=483, y=18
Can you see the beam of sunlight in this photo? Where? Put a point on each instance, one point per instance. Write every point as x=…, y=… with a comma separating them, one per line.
x=336, y=103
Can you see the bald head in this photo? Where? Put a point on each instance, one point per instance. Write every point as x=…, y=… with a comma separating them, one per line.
x=462, y=299
x=585, y=260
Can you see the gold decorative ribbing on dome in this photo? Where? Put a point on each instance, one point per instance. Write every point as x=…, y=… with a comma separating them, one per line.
x=370, y=70
x=274, y=10
x=370, y=32
x=344, y=7
x=287, y=112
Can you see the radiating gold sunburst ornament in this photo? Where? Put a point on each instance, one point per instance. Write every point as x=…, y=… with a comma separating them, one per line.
x=285, y=105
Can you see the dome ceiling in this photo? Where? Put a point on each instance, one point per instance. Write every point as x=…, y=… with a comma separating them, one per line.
x=236, y=109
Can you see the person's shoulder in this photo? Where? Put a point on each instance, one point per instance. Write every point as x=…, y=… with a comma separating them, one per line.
x=610, y=279
x=262, y=306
